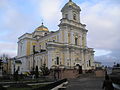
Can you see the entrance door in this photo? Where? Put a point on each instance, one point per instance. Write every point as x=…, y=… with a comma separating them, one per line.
x=80, y=68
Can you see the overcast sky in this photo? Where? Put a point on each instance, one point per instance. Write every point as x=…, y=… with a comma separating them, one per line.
x=102, y=18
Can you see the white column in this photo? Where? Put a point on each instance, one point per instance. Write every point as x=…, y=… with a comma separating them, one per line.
x=72, y=38
x=72, y=56
x=50, y=54
x=66, y=52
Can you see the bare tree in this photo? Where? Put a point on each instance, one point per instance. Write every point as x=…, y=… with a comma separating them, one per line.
x=4, y=59
x=45, y=70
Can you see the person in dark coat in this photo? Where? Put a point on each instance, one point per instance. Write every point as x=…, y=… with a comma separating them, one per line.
x=107, y=84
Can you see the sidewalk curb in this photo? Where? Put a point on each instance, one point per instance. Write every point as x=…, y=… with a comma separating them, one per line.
x=60, y=86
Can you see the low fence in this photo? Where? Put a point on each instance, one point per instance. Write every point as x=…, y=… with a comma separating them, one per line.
x=52, y=85
x=99, y=73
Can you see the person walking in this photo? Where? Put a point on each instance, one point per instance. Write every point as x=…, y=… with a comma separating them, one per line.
x=107, y=84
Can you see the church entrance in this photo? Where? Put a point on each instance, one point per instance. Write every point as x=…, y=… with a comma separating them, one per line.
x=79, y=68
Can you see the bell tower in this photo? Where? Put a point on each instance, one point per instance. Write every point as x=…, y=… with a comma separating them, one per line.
x=71, y=12
x=72, y=30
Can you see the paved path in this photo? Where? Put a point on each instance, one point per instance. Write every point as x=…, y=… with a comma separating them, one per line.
x=86, y=83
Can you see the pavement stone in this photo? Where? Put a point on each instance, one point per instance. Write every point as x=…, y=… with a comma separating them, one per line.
x=87, y=83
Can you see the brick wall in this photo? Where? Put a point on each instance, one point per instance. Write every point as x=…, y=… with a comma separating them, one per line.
x=99, y=73
x=69, y=73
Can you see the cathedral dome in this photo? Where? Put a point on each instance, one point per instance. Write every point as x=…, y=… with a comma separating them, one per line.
x=42, y=28
x=71, y=4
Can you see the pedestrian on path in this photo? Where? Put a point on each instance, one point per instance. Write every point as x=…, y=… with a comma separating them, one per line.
x=107, y=84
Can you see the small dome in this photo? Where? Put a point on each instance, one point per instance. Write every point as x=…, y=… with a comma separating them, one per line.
x=42, y=28
x=71, y=4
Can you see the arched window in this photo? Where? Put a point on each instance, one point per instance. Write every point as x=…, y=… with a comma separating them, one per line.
x=66, y=16
x=83, y=41
x=74, y=16
x=68, y=37
x=33, y=49
x=18, y=68
x=53, y=40
x=89, y=63
x=76, y=41
x=57, y=60
x=45, y=34
x=40, y=47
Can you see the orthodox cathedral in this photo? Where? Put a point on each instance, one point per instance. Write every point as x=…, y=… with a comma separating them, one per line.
x=66, y=47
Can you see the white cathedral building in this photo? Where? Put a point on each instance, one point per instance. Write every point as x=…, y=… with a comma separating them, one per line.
x=67, y=46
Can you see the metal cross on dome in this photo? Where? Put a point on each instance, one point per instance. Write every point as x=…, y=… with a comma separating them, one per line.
x=70, y=0
x=42, y=21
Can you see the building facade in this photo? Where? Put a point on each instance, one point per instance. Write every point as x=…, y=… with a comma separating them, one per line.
x=67, y=46
x=97, y=64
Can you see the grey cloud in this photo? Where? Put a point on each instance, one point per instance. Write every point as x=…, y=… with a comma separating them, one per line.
x=13, y=24
x=16, y=23
x=8, y=48
x=102, y=21
x=110, y=59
